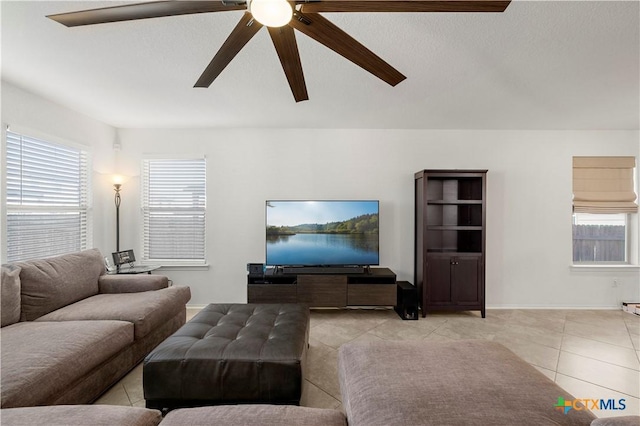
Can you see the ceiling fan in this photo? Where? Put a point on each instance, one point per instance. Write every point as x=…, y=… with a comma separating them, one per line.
x=281, y=17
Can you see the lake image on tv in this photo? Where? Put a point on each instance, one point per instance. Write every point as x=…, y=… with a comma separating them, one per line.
x=322, y=233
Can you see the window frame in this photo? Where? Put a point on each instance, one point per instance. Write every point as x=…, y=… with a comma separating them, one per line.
x=632, y=246
x=85, y=194
x=168, y=263
x=627, y=243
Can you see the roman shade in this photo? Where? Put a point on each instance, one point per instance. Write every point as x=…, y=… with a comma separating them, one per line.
x=604, y=185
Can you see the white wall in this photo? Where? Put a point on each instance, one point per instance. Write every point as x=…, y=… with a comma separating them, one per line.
x=528, y=210
x=28, y=113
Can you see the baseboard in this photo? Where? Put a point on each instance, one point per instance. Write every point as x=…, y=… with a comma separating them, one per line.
x=536, y=307
x=189, y=306
x=523, y=307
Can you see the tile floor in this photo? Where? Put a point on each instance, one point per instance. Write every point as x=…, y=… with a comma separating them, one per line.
x=590, y=353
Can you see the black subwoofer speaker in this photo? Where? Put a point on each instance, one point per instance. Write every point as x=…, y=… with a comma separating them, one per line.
x=407, y=303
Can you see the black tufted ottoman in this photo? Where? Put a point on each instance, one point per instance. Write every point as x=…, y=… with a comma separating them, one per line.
x=230, y=354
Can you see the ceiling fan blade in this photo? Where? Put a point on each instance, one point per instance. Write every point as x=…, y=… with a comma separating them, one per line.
x=323, y=31
x=241, y=34
x=405, y=6
x=284, y=41
x=153, y=9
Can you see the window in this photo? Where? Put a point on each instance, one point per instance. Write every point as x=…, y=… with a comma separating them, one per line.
x=173, y=209
x=603, y=204
x=48, y=198
x=600, y=237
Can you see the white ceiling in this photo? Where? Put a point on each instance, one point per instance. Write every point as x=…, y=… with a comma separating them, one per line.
x=539, y=65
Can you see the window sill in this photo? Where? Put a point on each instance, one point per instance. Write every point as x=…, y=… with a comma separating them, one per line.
x=179, y=266
x=604, y=268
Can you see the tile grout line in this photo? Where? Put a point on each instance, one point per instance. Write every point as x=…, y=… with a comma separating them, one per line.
x=127, y=394
x=603, y=361
x=564, y=328
x=599, y=385
x=325, y=392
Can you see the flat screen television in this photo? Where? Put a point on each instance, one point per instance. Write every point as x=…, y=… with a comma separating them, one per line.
x=322, y=233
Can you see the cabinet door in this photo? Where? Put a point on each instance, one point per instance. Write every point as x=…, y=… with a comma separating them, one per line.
x=322, y=290
x=438, y=280
x=465, y=280
x=372, y=294
x=271, y=293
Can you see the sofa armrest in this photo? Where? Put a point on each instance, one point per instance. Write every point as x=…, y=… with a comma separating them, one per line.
x=131, y=283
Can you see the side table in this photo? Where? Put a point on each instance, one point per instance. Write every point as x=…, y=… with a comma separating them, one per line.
x=133, y=270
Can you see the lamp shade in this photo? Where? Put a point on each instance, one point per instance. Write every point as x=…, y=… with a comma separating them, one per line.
x=117, y=179
x=272, y=13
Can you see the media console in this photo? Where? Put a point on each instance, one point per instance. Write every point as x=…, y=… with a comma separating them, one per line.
x=374, y=287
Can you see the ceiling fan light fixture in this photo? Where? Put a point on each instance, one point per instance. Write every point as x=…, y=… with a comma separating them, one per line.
x=271, y=13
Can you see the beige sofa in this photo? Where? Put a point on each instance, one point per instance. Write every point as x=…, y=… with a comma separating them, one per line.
x=222, y=415
x=69, y=331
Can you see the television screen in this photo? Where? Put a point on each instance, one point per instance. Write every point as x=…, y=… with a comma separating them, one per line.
x=322, y=233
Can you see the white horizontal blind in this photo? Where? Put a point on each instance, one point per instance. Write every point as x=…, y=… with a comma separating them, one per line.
x=48, y=198
x=173, y=208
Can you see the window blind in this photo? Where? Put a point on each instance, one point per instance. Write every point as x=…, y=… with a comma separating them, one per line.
x=604, y=185
x=48, y=198
x=173, y=208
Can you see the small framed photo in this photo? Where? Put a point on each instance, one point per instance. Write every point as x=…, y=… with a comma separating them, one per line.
x=122, y=257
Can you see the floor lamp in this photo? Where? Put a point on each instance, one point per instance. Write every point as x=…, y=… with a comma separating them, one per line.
x=116, y=187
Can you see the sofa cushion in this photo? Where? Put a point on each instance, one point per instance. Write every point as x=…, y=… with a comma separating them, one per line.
x=147, y=310
x=131, y=283
x=10, y=296
x=41, y=359
x=80, y=415
x=49, y=284
x=473, y=382
x=250, y=415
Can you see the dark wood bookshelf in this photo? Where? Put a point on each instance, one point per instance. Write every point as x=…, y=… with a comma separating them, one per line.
x=450, y=210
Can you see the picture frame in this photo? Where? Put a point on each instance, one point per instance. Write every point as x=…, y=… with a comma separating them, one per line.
x=123, y=257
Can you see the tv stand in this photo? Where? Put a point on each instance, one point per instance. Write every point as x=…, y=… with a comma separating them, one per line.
x=328, y=270
x=374, y=287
